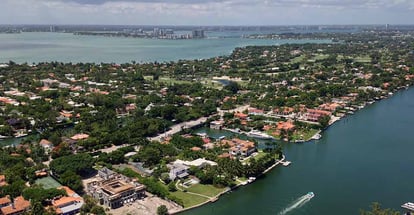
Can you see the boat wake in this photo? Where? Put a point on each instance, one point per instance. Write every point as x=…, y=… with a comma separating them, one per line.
x=299, y=202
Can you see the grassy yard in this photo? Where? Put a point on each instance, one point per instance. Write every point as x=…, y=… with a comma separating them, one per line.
x=304, y=134
x=168, y=80
x=320, y=57
x=363, y=59
x=189, y=199
x=260, y=154
x=298, y=59
x=207, y=190
x=48, y=182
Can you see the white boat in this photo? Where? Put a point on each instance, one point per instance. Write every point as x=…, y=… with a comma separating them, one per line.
x=316, y=136
x=259, y=135
x=20, y=135
x=286, y=163
x=310, y=195
x=251, y=179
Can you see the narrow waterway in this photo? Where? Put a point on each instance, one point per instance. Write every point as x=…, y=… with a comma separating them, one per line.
x=364, y=158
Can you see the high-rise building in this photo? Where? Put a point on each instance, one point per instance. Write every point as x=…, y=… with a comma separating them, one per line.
x=156, y=32
x=198, y=34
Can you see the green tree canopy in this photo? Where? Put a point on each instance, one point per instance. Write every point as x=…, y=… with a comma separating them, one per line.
x=78, y=163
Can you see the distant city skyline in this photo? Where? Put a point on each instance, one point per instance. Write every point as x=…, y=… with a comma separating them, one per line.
x=207, y=12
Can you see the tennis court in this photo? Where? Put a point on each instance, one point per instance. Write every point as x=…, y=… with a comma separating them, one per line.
x=48, y=182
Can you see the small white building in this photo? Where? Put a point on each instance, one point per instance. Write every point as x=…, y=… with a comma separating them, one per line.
x=199, y=163
x=216, y=124
x=46, y=144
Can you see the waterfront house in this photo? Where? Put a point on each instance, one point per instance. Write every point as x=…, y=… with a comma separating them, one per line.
x=177, y=171
x=331, y=107
x=314, y=115
x=286, y=126
x=114, y=190
x=239, y=147
x=217, y=124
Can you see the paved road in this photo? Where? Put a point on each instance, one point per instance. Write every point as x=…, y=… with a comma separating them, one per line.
x=238, y=109
x=179, y=127
x=189, y=124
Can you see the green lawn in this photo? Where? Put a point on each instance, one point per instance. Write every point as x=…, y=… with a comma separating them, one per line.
x=304, y=134
x=189, y=199
x=208, y=190
x=169, y=80
x=149, y=78
x=48, y=182
x=320, y=57
x=260, y=154
x=298, y=59
x=363, y=59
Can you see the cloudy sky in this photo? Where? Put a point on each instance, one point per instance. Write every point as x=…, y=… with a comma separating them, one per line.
x=207, y=12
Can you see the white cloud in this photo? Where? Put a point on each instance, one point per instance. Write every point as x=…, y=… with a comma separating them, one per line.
x=205, y=12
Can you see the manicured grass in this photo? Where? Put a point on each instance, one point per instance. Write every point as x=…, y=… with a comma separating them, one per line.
x=211, y=84
x=172, y=80
x=306, y=134
x=48, y=182
x=149, y=78
x=189, y=199
x=207, y=190
x=363, y=59
x=298, y=59
x=260, y=154
x=320, y=57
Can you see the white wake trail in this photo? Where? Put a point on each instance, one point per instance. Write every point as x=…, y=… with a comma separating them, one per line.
x=299, y=202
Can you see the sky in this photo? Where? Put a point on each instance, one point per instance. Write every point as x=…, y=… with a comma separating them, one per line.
x=207, y=12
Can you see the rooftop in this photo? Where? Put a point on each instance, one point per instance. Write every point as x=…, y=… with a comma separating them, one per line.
x=116, y=187
x=20, y=205
x=5, y=200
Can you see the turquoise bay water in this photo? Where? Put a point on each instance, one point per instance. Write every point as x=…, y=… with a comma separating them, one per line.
x=361, y=159
x=65, y=47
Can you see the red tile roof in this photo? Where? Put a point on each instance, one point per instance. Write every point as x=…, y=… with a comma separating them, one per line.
x=20, y=205
x=5, y=200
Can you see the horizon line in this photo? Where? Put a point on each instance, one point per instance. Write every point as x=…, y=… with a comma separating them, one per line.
x=212, y=25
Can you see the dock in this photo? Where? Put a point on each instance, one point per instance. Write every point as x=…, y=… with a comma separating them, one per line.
x=409, y=206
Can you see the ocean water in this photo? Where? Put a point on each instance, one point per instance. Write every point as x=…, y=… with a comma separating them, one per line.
x=66, y=47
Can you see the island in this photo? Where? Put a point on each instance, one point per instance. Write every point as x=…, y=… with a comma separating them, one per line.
x=117, y=138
